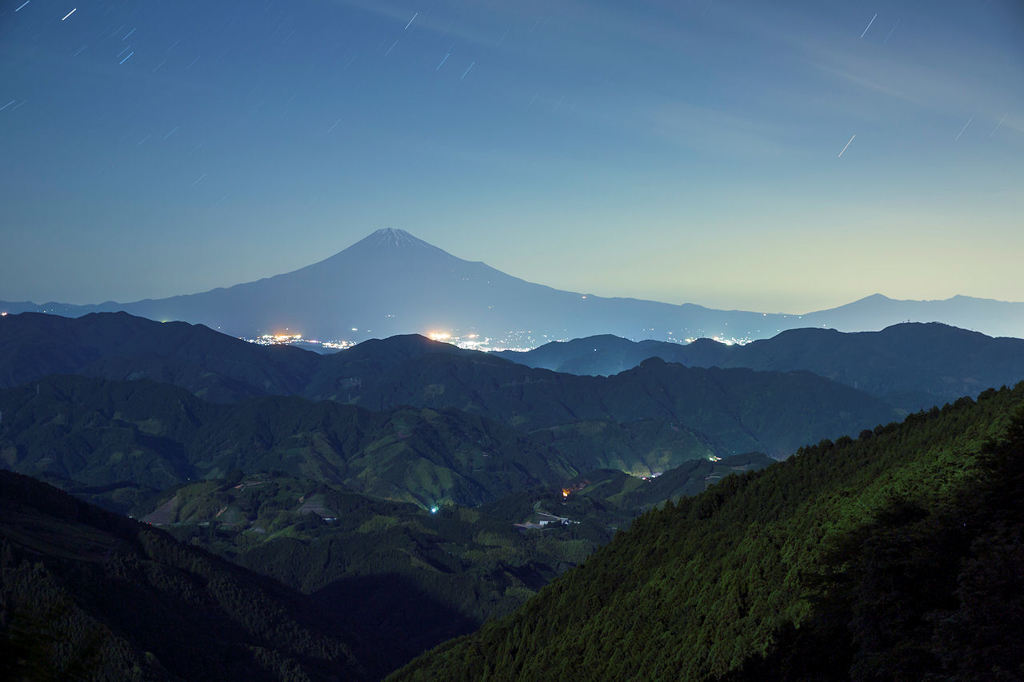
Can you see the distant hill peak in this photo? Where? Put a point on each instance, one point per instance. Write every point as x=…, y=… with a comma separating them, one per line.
x=705, y=342
x=874, y=298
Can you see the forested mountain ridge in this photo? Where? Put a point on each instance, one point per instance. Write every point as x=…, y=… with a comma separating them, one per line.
x=889, y=557
x=733, y=411
x=912, y=365
x=738, y=410
x=212, y=365
x=215, y=475
x=92, y=433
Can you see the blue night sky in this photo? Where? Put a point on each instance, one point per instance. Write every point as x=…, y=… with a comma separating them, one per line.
x=680, y=151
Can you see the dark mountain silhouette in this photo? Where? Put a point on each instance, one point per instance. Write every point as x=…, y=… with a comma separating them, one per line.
x=722, y=411
x=393, y=283
x=605, y=354
x=121, y=346
x=911, y=365
x=95, y=435
x=897, y=556
x=737, y=410
x=88, y=594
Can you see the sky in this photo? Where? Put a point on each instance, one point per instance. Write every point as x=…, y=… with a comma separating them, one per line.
x=781, y=157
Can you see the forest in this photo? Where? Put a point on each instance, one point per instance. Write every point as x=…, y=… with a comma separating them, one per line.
x=894, y=556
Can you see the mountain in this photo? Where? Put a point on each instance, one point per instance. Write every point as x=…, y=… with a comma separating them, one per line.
x=126, y=441
x=736, y=410
x=654, y=417
x=410, y=579
x=87, y=594
x=393, y=565
x=132, y=439
x=911, y=365
x=404, y=578
x=613, y=498
x=607, y=354
x=995, y=318
x=897, y=556
x=295, y=490
x=393, y=283
x=121, y=346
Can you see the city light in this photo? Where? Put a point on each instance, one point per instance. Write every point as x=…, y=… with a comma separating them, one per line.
x=286, y=338
x=520, y=340
x=275, y=339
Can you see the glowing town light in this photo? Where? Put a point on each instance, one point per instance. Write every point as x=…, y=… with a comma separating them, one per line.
x=433, y=510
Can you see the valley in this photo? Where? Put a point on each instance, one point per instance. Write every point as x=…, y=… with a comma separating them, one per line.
x=415, y=490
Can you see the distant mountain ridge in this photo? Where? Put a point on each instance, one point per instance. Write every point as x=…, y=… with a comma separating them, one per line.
x=394, y=283
x=911, y=365
x=91, y=433
x=726, y=411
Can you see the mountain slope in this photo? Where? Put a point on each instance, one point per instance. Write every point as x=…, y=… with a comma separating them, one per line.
x=86, y=594
x=737, y=410
x=911, y=365
x=405, y=579
x=708, y=410
x=888, y=553
x=601, y=355
x=121, y=346
x=90, y=434
x=393, y=283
